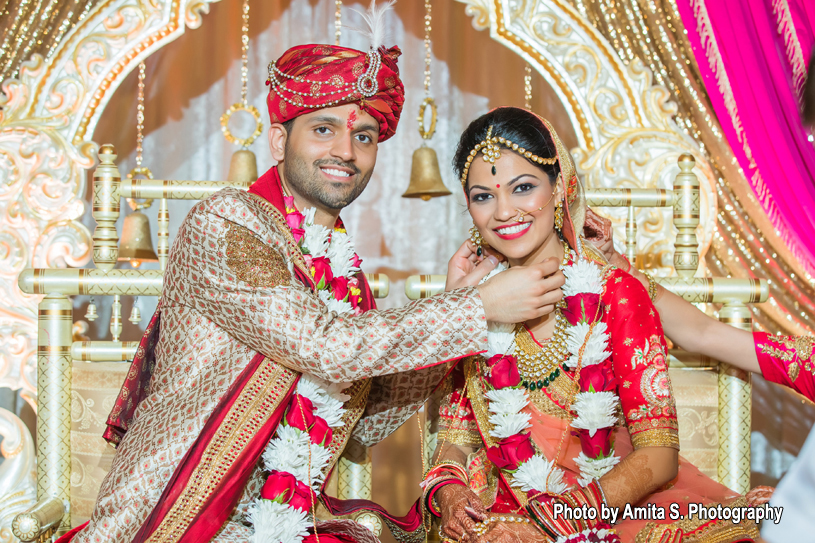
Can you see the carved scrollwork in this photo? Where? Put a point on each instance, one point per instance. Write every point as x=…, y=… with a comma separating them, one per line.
x=18, y=486
x=45, y=119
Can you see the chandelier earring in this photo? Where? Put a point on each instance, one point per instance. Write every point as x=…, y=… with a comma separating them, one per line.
x=475, y=237
x=559, y=215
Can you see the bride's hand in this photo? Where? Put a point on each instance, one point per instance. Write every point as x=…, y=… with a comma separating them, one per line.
x=466, y=269
x=454, y=502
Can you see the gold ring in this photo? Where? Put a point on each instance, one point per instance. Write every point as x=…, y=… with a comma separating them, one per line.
x=145, y=171
x=231, y=138
x=431, y=103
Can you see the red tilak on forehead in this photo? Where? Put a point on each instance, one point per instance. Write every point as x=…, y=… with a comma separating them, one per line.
x=352, y=117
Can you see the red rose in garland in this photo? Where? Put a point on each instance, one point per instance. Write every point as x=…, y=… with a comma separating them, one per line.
x=597, y=377
x=285, y=488
x=582, y=307
x=320, y=432
x=503, y=371
x=511, y=451
x=301, y=413
x=339, y=285
x=321, y=271
x=598, y=445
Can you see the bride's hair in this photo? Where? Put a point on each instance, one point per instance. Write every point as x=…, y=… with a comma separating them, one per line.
x=518, y=126
x=528, y=131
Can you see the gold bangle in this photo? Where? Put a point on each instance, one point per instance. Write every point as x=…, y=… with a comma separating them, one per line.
x=481, y=528
x=652, y=286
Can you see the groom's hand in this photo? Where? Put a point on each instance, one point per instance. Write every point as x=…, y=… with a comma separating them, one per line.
x=523, y=293
x=467, y=269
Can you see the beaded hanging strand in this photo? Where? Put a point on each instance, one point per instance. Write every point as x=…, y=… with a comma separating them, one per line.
x=528, y=87
x=243, y=105
x=337, y=21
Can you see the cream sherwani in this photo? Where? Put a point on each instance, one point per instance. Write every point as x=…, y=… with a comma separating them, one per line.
x=230, y=293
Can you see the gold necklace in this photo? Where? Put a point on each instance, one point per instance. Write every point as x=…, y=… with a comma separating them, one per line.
x=540, y=365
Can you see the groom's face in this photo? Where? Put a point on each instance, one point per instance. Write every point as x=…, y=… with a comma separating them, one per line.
x=330, y=155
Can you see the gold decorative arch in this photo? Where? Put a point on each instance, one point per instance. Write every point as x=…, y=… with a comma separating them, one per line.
x=46, y=118
x=626, y=135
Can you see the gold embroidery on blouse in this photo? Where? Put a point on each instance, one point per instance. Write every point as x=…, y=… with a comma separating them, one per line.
x=544, y=404
x=462, y=437
x=803, y=346
x=252, y=261
x=775, y=352
x=658, y=437
x=644, y=425
x=793, y=370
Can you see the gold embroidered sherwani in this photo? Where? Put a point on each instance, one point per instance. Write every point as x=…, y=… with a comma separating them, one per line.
x=230, y=292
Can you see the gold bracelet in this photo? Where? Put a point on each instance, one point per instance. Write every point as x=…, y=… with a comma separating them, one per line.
x=482, y=527
x=652, y=286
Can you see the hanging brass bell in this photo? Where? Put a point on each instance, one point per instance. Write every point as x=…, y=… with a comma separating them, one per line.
x=135, y=315
x=91, y=313
x=136, y=245
x=425, y=176
x=243, y=168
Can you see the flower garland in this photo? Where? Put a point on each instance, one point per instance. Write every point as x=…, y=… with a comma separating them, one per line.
x=330, y=257
x=595, y=406
x=298, y=454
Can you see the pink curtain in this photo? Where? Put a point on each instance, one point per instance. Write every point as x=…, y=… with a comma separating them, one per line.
x=753, y=56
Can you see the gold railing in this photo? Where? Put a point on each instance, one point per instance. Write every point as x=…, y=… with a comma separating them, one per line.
x=56, y=350
x=735, y=388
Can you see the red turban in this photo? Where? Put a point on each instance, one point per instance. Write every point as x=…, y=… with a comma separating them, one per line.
x=310, y=77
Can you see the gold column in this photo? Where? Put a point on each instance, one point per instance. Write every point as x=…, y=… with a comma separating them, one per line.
x=163, y=248
x=354, y=480
x=735, y=410
x=116, y=318
x=106, y=196
x=686, y=218
x=54, y=402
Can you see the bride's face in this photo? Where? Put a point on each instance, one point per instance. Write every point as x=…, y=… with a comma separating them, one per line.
x=495, y=201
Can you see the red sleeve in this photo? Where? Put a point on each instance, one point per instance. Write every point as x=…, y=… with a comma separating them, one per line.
x=787, y=360
x=639, y=360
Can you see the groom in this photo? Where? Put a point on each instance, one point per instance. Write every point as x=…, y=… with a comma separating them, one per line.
x=245, y=312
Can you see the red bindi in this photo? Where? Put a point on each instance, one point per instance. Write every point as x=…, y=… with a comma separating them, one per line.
x=352, y=117
x=497, y=186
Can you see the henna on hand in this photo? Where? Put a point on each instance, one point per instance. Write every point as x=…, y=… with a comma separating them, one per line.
x=639, y=474
x=454, y=500
x=759, y=495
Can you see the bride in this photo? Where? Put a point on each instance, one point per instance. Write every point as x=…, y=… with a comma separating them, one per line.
x=572, y=414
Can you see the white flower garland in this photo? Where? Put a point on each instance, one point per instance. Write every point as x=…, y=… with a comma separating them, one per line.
x=291, y=449
x=339, y=250
x=595, y=410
